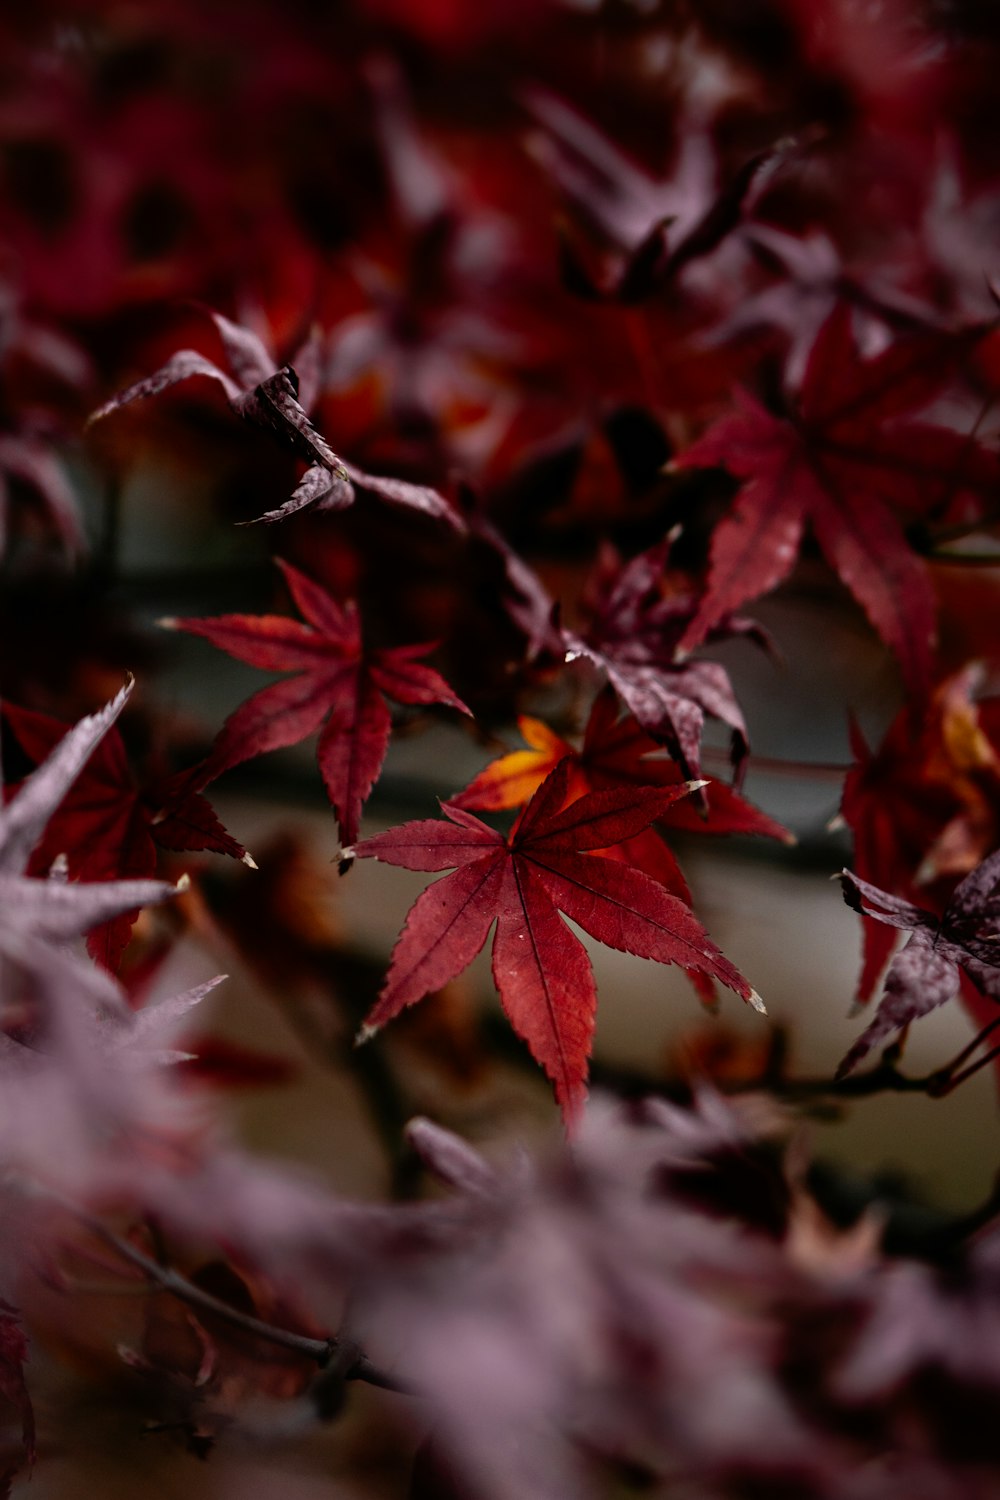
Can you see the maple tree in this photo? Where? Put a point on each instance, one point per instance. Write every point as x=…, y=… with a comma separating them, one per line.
x=540, y=341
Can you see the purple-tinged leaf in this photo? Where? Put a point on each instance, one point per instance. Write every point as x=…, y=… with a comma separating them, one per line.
x=925, y=973
x=920, y=978
x=318, y=488
x=635, y=636
x=450, y=1158
x=26, y=458
x=23, y=820
x=267, y=397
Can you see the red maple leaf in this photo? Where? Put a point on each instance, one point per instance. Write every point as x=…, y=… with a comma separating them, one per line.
x=109, y=827
x=339, y=683
x=545, y=866
x=616, y=752
x=848, y=459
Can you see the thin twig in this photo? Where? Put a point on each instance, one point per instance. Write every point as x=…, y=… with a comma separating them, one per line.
x=964, y=559
x=828, y=770
x=322, y=1351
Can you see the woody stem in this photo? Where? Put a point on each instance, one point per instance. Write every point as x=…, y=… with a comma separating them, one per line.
x=322, y=1351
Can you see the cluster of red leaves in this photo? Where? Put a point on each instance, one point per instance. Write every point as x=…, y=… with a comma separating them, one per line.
x=526, y=280
x=443, y=308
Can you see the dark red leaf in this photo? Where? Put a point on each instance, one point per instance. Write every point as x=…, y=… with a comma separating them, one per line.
x=339, y=685
x=540, y=968
x=108, y=828
x=852, y=463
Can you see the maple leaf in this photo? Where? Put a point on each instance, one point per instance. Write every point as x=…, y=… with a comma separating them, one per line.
x=812, y=280
x=925, y=973
x=267, y=398
x=922, y=807
x=29, y=462
x=109, y=828
x=634, y=635
x=523, y=882
x=427, y=350
x=96, y=1072
x=850, y=461
x=616, y=752
x=657, y=227
x=339, y=683
x=39, y=916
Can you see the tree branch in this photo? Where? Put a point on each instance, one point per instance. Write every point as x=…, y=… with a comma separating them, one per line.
x=343, y=1355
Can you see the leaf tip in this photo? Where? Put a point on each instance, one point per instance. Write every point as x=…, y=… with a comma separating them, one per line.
x=696, y=786
x=249, y=861
x=754, y=999
x=183, y=884
x=345, y=860
x=847, y=1065
x=168, y=622
x=365, y=1034
x=836, y=823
